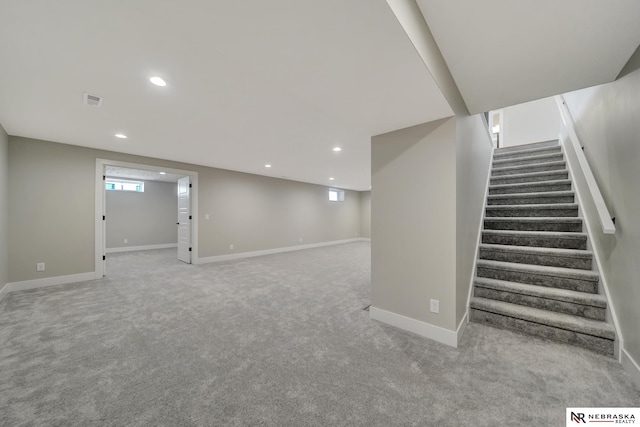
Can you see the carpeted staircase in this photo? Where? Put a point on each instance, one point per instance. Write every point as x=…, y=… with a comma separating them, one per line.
x=535, y=274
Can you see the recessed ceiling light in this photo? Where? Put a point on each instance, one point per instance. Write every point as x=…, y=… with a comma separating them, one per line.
x=267, y=165
x=158, y=81
x=331, y=179
x=337, y=149
x=163, y=173
x=121, y=136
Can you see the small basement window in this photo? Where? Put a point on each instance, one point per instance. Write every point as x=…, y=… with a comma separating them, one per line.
x=336, y=195
x=124, y=185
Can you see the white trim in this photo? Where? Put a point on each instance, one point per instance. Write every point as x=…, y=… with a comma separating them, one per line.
x=480, y=228
x=608, y=227
x=631, y=366
x=462, y=327
x=141, y=248
x=240, y=255
x=4, y=291
x=596, y=255
x=100, y=248
x=49, y=281
x=424, y=329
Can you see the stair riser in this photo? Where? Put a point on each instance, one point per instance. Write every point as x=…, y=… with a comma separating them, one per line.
x=537, y=188
x=520, y=148
x=554, y=176
x=529, y=169
x=599, y=345
x=558, y=282
x=579, y=263
x=536, y=212
x=533, y=160
x=530, y=200
x=579, y=242
x=519, y=225
x=575, y=309
x=516, y=154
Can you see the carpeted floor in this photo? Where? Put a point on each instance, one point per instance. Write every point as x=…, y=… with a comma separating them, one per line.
x=280, y=340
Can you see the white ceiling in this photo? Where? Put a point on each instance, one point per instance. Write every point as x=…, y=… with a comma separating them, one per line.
x=505, y=52
x=249, y=82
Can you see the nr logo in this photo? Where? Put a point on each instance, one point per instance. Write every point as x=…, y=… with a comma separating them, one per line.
x=576, y=418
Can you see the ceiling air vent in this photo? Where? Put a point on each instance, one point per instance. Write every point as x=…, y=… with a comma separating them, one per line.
x=93, y=100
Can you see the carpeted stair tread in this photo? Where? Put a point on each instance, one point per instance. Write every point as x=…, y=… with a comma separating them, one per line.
x=541, y=198
x=528, y=160
x=571, y=273
x=518, y=178
x=525, y=147
x=557, y=320
x=547, y=239
x=520, y=169
x=533, y=210
x=564, y=224
x=500, y=155
x=531, y=187
x=552, y=257
x=565, y=295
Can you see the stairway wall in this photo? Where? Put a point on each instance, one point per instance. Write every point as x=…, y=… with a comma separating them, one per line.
x=4, y=208
x=530, y=122
x=607, y=124
x=413, y=221
x=473, y=159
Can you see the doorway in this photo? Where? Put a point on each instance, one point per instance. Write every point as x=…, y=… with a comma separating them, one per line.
x=131, y=178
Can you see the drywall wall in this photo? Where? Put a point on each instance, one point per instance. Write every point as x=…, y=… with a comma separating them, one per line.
x=530, y=122
x=413, y=221
x=473, y=160
x=52, y=203
x=365, y=214
x=143, y=219
x=4, y=207
x=606, y=119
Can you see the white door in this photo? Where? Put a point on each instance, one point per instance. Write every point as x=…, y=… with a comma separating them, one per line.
x=184, y=220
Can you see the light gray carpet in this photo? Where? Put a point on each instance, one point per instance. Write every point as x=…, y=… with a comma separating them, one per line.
x=280, y=340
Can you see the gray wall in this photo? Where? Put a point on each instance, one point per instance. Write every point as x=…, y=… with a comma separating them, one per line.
x=365, y=214
x=51, y=209
x=473, y=159
x=413, y=221
x=146, y=218
x=534, y=121
x=4, y=207
x=607, y=124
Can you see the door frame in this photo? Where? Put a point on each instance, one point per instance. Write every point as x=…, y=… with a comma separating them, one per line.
x=100, y=206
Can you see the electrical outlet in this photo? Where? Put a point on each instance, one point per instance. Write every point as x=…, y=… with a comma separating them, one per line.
x=126, y=241
x=435, y=306
x=231, y=246
x=40, y=266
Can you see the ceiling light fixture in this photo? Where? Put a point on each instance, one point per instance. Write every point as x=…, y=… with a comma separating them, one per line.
x=267, y=165
x=121, y=136
x=163, y=173
x=158, y=81
x=331, y=179
x=336, y=149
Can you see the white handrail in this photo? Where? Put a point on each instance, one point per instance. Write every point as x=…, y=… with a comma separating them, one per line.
x=606, y=222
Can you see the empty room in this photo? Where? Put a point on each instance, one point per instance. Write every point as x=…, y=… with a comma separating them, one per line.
x=388, y=212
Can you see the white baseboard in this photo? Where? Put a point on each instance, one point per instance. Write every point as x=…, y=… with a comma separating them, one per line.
x=424, y=329
x=631, y=366
x=141, y=248
x=462, y=326
x=49, y=281
x=240, y=255
x=4, y=291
